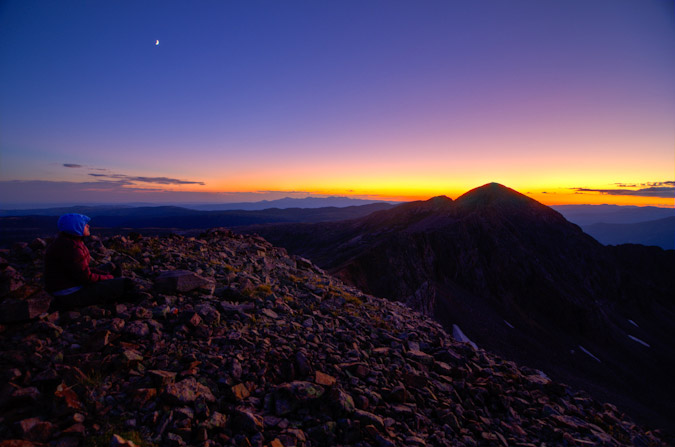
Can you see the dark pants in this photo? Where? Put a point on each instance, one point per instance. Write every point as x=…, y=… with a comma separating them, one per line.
x=98, y=293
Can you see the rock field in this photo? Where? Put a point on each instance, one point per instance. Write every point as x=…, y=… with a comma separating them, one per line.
x=231, y=342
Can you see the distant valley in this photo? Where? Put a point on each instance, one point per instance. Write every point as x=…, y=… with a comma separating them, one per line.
x=615, y=225
x=25, y=224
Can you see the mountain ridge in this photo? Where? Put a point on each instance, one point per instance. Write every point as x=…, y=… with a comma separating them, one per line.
x=519, y=279
x=286, y=202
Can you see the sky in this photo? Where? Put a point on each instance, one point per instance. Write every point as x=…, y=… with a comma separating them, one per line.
x=224, y=101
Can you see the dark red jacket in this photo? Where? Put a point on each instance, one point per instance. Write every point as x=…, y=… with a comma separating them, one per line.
x=67, y=264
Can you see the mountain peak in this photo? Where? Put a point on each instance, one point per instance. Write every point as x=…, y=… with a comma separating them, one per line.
x=434, y=204
x=440, y=200
x=494, y=194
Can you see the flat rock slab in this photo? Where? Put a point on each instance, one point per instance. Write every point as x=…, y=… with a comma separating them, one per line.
x=172, y=281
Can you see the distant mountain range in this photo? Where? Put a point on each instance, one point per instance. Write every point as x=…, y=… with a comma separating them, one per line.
x=162, y=219
x=615, y=225
x=520, y=280
x=286, y=202
x=584, y=215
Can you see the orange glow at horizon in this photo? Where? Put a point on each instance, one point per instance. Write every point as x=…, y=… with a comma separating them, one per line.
x=411, y=190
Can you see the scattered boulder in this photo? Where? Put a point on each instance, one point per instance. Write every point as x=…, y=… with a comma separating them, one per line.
x=188, y=391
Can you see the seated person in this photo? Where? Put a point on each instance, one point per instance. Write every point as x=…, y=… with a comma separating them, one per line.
x=68, y=277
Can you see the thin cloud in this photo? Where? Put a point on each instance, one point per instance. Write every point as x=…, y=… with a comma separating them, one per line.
x=123, y=179
x=164, y=181
x=102, y=190
x=153, y=180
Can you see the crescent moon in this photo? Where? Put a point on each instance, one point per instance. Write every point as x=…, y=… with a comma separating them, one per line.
x=156, y=43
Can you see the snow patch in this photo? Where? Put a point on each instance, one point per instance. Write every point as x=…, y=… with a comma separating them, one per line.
x=633, y=323
x=589, y=354
x=639, y=341
x=458, y=335
x=543, y=375
x=509, y=324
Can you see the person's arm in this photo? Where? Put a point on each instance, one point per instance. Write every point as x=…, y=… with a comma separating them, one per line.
x=78, y=268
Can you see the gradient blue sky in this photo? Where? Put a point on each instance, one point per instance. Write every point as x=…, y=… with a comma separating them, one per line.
x=569, y=101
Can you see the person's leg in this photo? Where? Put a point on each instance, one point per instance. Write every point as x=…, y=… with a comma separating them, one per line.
x=97, y=293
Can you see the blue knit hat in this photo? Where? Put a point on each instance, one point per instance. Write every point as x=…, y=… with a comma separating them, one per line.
x=73, y=223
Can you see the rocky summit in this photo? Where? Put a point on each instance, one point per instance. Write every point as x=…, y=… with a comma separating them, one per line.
x=231, y=342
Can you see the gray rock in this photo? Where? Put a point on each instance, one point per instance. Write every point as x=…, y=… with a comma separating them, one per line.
x=138, y=329
x=208, y=313
x=187, y=391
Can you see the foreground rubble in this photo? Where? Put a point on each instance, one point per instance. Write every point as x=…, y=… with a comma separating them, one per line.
x=231, y=342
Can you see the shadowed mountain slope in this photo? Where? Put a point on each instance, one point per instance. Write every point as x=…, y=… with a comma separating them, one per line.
x=520, y=280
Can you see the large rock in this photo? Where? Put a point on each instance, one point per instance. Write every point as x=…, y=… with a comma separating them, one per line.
x=173, y=281
x=14, y=310
x=290, y=396
x=248, y=420
x=35, y=429
x=10, y=281
x=188, y=391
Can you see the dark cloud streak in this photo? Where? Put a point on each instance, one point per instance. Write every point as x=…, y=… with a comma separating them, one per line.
x=126, y=179
x=164, y=181
x=652, y=189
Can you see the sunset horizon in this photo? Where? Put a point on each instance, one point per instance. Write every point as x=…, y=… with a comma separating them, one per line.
x=568, y=103
x=646, y=195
